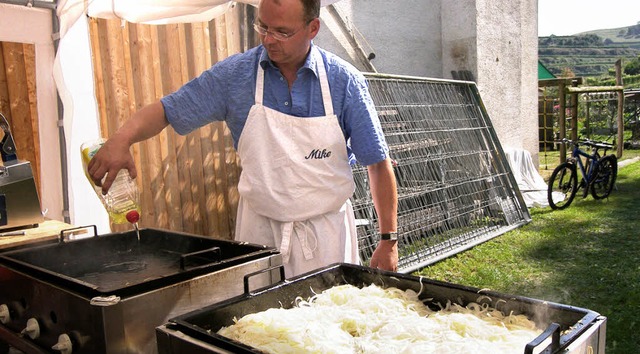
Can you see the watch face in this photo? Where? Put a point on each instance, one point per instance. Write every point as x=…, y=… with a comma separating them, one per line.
x=389, y=236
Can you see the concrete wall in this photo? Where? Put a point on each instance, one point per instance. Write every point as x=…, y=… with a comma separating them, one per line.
x=404, y=36
x=507, y=69
x=496, y=40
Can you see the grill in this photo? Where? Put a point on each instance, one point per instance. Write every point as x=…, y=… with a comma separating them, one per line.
x=568, y=329
x=107, y=293
x=455, y=186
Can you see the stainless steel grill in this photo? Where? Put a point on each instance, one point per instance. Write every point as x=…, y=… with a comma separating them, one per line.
x=106, y=294
x=455, y=186
x=568, y=329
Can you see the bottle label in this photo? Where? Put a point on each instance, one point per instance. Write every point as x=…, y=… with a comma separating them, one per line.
x=93, y=151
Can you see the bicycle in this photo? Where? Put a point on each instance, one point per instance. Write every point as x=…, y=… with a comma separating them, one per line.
x=598, y=172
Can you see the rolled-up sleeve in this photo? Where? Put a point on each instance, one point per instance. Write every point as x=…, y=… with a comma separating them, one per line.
x=199, y=102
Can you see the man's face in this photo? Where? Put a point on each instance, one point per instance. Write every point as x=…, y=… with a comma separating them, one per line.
x=286, y=17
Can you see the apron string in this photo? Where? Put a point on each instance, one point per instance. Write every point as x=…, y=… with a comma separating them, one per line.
x=259, y=83
x=324, y=87
x=304, y=234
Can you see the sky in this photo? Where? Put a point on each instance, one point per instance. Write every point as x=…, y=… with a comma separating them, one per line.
x=567, y=17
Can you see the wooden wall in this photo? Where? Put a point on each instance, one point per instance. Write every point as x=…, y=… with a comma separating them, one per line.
x=188, y=183
x=18, y=101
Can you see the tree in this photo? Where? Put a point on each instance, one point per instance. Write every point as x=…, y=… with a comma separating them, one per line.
x=633, y=67
x=567, y=72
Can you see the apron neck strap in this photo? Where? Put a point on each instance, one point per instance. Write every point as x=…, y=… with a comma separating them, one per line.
x=324, y=87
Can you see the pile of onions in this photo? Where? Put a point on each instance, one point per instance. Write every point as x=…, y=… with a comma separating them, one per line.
x=348, y=319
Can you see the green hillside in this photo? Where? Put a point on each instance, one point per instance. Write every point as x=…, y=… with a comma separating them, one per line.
x=629, y=35
x=589, y=54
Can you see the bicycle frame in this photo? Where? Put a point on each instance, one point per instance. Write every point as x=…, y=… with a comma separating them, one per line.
x=590, y=164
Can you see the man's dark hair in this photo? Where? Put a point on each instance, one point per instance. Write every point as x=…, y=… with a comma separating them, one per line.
x=311, y=9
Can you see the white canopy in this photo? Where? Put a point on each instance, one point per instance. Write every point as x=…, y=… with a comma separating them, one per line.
x=147, y=11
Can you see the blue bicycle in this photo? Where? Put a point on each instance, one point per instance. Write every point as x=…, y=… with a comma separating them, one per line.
x=598, y=172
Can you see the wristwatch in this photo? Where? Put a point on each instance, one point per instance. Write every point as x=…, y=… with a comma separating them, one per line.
x=389, y=236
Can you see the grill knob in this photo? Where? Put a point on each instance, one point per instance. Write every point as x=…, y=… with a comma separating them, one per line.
x=5, y=316
x=64, y=345
x=32, y=329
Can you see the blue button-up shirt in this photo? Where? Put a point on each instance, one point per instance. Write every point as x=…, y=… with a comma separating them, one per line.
x=226, y=92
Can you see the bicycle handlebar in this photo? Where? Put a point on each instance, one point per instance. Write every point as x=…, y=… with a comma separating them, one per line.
x=587, y=142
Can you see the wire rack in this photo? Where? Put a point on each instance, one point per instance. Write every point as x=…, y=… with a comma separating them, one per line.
x=455, y=186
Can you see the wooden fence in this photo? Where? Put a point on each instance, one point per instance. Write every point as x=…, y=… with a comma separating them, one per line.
x=188, y=183
x=18, y=101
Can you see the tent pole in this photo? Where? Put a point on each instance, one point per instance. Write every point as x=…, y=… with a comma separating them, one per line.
x=61, y=135
x=31, y=3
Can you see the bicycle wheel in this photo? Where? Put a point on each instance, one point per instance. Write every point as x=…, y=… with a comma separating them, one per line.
x=605, y=177
x=563, y=186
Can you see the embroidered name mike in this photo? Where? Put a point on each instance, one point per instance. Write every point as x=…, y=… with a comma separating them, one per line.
x=318, y=154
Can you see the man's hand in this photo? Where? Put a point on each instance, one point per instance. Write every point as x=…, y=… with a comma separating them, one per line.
x=385, y=256
x=113, y=156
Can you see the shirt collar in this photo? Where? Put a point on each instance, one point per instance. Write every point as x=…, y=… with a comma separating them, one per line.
x=311, y=63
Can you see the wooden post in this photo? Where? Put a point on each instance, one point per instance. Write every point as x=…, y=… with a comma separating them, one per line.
x=562, y=120
x=587, y=117
x=574, y=112
x=620, y=109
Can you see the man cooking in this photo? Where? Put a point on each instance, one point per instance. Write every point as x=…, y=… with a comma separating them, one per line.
x=298, y=116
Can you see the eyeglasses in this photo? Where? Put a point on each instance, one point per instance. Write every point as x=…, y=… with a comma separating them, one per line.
x=279, y=36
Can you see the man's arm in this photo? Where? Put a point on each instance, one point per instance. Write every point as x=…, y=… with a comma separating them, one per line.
x=115, y=155
x=385, y=199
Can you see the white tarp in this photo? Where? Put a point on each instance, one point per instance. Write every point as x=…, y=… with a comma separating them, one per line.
x=532, y=186
x=74, y=78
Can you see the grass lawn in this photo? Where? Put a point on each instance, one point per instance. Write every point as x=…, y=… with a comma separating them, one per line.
x=587, y=255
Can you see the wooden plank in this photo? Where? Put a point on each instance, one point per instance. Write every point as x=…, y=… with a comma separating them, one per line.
x=156, y=163
x=202, y=39
x=230, y=158
x=224, y=170
x=32, y=98
x=22, y=106
x=46, y=231
x=197, y=64
x=118, y=77
x=4, y=90
x=620, y=115
x=167, y=41
x=98, y=36
x=589, y=89
x=153, y=205
x=187, y=154
x=562, y=121
x=557, y=82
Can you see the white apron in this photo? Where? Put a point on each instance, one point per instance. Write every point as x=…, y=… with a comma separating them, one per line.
x=295, y=185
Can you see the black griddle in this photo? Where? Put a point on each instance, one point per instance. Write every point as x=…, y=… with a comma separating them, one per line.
x=128, y=263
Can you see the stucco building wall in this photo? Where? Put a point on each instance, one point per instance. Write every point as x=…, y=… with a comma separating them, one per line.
x=495, y=40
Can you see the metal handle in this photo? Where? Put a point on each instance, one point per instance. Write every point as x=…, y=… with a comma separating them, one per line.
x=215, y=251
x=554, y=331
x=247, y=276
x=65, y=231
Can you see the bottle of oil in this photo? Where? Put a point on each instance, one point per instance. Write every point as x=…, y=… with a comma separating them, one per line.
x=122, y=200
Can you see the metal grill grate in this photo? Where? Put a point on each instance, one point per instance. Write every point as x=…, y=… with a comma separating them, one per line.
x=455, y=186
